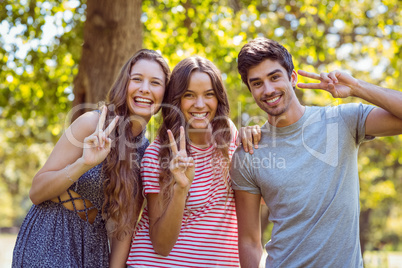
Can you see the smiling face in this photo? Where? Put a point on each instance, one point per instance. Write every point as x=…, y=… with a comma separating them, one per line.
x=146, y=88
x=199, y=102
x=272, y=90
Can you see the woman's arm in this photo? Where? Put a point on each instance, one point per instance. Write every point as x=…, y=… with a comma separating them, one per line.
x=119, y=251
x=68, y=160
x=165, y=225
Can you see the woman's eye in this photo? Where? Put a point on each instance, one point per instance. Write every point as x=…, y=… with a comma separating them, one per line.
x=136, y=79
x=187, y=95
x=157, y=83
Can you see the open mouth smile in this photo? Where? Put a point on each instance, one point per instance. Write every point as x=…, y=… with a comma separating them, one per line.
x=273, y=101
x=143, y=101
x=199, y=115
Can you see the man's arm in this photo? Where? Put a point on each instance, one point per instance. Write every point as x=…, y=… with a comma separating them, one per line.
x=249, y=228
x=386, y=120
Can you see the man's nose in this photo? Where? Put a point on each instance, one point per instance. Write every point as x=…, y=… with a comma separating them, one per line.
x=269, y=89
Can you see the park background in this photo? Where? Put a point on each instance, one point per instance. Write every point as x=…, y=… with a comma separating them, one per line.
x=56, y=55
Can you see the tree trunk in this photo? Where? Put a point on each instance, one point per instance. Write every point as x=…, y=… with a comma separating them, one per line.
x=364, y=228
x=112, y=33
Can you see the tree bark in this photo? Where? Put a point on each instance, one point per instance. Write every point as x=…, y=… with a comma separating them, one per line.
x=364, y=228
x=112, y=33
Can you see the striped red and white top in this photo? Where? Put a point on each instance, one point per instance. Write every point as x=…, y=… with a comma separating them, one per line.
x=208, y=235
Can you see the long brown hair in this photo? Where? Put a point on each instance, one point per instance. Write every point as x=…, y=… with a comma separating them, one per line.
x=123, y=185
x=173, y=118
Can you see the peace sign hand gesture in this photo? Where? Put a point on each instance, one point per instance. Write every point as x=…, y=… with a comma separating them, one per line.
x=181, y=166
x=339, y=83
x=97, y=146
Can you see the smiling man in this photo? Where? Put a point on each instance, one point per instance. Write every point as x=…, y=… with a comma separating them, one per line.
x=313, y=195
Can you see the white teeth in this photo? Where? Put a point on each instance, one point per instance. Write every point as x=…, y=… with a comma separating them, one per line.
x=199, y=115
x=272, y=100
x=143, y=100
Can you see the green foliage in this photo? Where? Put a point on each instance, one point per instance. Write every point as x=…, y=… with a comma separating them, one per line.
x=37, y=71
x=364, y=37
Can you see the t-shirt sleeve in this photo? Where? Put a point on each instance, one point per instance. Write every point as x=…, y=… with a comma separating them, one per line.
x=241, y=172
x=354, y=115
x=150, y=170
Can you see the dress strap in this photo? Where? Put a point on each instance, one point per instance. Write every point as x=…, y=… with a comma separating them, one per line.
x=72, y=200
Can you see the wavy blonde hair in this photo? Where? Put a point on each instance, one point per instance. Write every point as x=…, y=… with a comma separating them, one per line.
x=123, y=185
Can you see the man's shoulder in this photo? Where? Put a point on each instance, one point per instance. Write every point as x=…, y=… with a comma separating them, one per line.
x=246, y=157
x=239, y=152
x=342, y=106
x=335, y=110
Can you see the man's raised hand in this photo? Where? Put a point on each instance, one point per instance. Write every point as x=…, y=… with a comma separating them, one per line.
x=339, y=83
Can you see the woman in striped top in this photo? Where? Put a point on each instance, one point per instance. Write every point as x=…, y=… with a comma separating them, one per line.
x=190, y=218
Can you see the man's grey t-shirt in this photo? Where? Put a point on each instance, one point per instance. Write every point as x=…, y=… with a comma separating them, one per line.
x=307, y=174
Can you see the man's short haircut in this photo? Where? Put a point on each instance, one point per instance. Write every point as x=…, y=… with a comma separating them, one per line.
x=260, y=49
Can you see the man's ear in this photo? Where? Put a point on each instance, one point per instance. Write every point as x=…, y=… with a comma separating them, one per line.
x=293, y=78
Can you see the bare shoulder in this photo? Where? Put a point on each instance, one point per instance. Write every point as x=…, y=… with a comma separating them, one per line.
x=86, y=123
x=70, y=145
x=82, y=127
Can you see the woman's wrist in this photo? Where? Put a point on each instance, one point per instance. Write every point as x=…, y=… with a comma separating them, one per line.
x=82, y=165
x=181, y=190
x=79, y=167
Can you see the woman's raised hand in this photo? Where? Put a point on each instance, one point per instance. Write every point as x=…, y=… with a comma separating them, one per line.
x=181, y=166
x=97, y=146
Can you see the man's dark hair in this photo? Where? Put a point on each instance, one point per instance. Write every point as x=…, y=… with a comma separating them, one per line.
x=260, y=49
